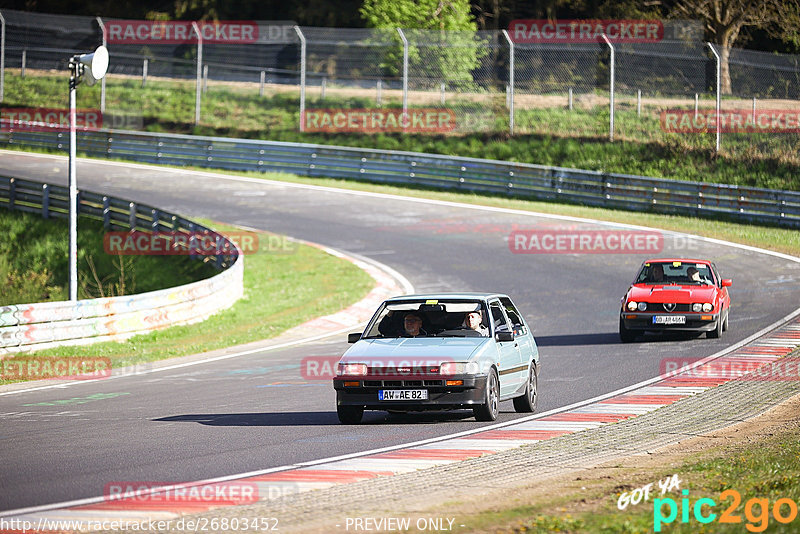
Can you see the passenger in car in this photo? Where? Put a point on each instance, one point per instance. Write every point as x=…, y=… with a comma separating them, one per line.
x=474, y=321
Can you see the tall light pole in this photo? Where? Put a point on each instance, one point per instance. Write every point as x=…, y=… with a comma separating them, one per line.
x=94, y=66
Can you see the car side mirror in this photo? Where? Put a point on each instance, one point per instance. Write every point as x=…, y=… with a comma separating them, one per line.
x=727, y=282
x=504, y=336
x=355, y=336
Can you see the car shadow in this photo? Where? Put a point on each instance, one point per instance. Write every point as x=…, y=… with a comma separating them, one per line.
x=611, y=338
x=315, y=418
x=256, y=419
x=578, y=339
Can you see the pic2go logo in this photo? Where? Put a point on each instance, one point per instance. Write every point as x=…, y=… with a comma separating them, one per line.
x=756, y=511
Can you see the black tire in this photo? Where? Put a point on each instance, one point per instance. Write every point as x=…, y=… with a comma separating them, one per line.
x=625, y=335
x=527, y=402
x=489, y=409
x=350, y=415
x=725, y=324
x=717, y=332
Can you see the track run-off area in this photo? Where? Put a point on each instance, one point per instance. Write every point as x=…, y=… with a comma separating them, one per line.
x=257, y=412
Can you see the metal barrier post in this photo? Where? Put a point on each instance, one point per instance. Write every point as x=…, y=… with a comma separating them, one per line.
x=713, y=51
x=510, y=82
x=261, y=83
x=610, y=90
x=144, y=72
x=45, y=201
x=198, y=86
x=405, y=69
x=302, y=76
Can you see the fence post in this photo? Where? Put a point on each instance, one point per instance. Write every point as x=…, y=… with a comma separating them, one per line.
x=323, y=85
x=441, y=93
x=302, y=76
x=570, y=99
x=144, y=72
x=713, y=51
x=2, y=56
x=103, y=80
x=261, y=83
x=754, y=110
x=24, y=57
x=638, y=102
x=405, y=69
x=205, y=78
x=610, y=90
x=696, y=105
x=510, y=81
x=378, y=94
x=198, y=87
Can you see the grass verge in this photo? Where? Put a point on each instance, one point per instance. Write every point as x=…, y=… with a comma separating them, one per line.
x=281, y=290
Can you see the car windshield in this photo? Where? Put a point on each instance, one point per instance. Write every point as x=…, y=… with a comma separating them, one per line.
x=429, y=318
x=675, y=272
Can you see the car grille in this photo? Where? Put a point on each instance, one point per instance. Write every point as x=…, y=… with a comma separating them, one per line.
x=401, y=383
x=659, y=306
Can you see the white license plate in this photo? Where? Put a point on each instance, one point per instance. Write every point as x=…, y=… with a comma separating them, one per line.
x=669, y=319
x=402, y=394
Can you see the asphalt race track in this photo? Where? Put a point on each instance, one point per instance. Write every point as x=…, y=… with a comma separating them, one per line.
x=255, y=412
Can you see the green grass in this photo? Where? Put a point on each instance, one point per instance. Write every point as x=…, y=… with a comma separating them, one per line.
x=766, y=468
x=281, y=289
x=550, y=136
x=33, y=263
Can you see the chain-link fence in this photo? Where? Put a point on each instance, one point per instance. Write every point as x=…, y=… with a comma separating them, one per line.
x=276, y=76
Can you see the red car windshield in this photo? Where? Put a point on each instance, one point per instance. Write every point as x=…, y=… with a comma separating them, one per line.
x=675, y=272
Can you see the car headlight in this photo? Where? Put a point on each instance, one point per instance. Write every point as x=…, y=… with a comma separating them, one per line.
x=458, y=368
x=642, y=306
x=632, y=306
x=707, y=307
x=697, y=307
x=352, y=369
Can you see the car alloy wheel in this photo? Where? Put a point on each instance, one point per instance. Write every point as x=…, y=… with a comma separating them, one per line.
x=527, y=402
x=488, y=410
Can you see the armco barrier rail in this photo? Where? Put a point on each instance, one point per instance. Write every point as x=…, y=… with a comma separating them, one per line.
x=592, y=188
x=49, y=324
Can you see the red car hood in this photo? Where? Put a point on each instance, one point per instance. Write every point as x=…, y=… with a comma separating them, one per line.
x=672, y=293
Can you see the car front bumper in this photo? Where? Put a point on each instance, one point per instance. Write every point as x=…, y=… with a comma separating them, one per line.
x=694, y=322
x=440, y=396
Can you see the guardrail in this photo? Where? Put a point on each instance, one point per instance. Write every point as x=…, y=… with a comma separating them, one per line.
x=593, y=188
x=49, y=324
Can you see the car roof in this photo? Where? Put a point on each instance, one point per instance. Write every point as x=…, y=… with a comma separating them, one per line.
x=682, y=260
x=446, y=296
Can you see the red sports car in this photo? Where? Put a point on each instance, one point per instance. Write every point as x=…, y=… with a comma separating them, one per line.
x=675, y=294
